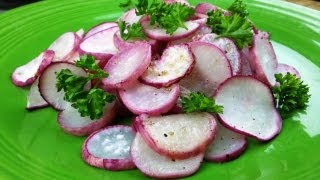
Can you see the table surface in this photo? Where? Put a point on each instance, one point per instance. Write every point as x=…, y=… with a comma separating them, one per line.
x=314, y=4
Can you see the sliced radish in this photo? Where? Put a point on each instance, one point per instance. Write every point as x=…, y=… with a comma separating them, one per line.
x=109, y=148
x=160, y=34
x=34, y=99
x=154, y=165
x=211, y=68
x=47, y=83
x=130, y=17
x=177, y=136
x=245, y=65
x=75, y=57
x=100, y=44
x=80, y=33
x=263, y=59
x=185, y=2
x=284, y=69
x=192, y=37
x=71, y=121
x=203, y=8
x=175, y=63
x=65, y=46
x=26, y=74
x=141, y=98
x=226, y=146
x=228, y=47
x=100, y=27
x=126, y=67
x=248, y=107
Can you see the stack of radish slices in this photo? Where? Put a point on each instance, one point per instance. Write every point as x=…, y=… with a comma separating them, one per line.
x=148, y=77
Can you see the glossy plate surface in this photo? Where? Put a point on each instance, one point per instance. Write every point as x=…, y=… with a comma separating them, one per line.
x=32, y=146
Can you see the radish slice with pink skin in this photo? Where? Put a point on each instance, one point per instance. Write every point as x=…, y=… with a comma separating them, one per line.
x=100, y=44
x=130, y=17
x=75, y=57
x=154, y=165
x=226, y=146
x=100, y=27
x=228, y=47
x=248, y=108
x=109, y=148
x=245, y=65
x=192, y=37
x=47, y=83
x=176, y=62
x=178, y=136
x=127, y=66
x=73, y=123
x=80, y=33
x=34, y=99
x=263, y=59
x=203, y=8
x=160, y=34
x=284, y=69
x=211, y=68
x=26, y=74
x=65, y=46
x=141, y=98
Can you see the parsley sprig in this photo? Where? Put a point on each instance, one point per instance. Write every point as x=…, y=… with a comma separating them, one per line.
x=167, y=16
x=235, y=26
x=198, y=102
x=291, y=94
x=89, y=102
x=133, y=31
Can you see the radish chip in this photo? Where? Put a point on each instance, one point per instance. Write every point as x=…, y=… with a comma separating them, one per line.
x=248, y=108
x=109, y=148
x=65, y=46
x=156, y=166
x=178, y=136
x=142, y=98
x=100, y=27
x=73, y=123
x=211, y=68
x=284, y=69
x=176, y=62
x=25, y=75
x=226, y=146
x=130, y=17
x=126, y=67
x=100, y=44
x=263, y=59
x=48, y=81
x=34, y=99
x=203, y=8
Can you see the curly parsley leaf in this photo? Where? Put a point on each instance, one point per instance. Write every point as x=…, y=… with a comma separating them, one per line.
x=88, y=102
x=198, y=102
x=133, y=31
x=127, y=5
x=291, y=94
x=238, y=7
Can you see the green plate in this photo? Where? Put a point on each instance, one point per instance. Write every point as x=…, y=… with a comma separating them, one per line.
x=32, y=146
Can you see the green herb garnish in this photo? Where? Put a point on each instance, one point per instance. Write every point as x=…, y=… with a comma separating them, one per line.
x=89, y=102
x=198, y=102
x=133, y=31
x=291, y=94
x=127, y=5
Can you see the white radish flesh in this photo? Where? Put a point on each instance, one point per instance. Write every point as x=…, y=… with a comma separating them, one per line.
x=100, y=44
x=34, y=99
x=228, y=47
x=284, y=69
x=126, y=67
x=73, y=123
x=175, y=63
x=47, y=83
x=100, y=27
x=109, y=148
x=141, y=98
x=248, y=107
x=263, y=59
x=65, y=46
x=130, y=17
x=211, y=68
x=226, y=146
x=80, y=33
x=160, y=34
x=192, y=37
x=25, y=75
x=177, y=136
x=154, y=165
x=245, y=65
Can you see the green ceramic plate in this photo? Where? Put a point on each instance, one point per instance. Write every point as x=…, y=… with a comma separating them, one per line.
x=32, y=146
